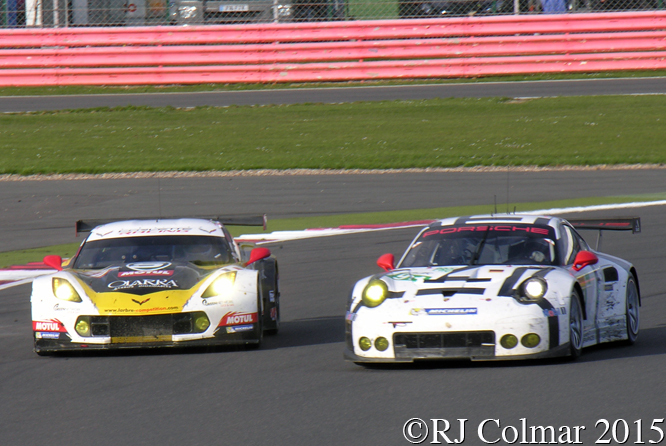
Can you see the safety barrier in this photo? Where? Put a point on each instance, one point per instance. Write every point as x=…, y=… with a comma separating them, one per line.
x=334, y=51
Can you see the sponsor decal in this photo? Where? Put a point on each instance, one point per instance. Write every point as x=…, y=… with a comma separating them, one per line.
x=351, y=317
x=484, y=228
x=147, y=266
x=139, y=231
x=159, y=272
x=273, y=313
x=53, y=325
x=234, y=318
x=141, y=302
x=239, y=328
x=47, y=335
x=271, y=296
x=398, y=324
x=406, y=275
x=442, y=311
x=143, y=310
x=219, y=303
x=142, y=283
x=550, y=312
x=57, y=307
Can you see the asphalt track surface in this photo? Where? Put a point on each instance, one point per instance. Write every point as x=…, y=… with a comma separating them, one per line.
x=587, y=87
x=297, y=389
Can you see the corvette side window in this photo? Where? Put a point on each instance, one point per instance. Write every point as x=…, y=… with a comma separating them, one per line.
x=230, y=241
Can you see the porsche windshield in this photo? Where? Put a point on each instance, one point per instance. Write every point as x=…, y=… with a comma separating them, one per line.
x=199, y=250
x=495, y=244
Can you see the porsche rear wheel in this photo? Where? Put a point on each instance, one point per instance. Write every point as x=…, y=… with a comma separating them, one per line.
x=632, y=313
x=575, y=326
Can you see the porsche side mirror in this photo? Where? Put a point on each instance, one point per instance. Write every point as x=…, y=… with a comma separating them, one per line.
x=258, y=254
x=54, y=262
x=583, y=259
x=386, y=262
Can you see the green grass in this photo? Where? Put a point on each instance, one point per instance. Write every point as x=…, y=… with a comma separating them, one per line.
x=370, y=135
x=292, y=224
x=361, y=8
x=372, y=9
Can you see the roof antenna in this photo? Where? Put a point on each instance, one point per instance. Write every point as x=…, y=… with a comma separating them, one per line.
x=159, y=199
x=507, y=190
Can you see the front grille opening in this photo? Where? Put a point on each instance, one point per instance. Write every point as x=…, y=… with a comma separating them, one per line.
x=144, y=326
x=444, y=340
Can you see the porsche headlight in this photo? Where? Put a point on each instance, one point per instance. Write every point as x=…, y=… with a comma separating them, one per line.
x=374, y=293
x=221, y=286
x=534, y=288
x=64, y=290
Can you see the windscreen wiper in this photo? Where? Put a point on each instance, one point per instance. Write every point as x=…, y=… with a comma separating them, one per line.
x=477, y=254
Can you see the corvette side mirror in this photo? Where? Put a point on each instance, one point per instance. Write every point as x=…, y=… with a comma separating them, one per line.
x=583, y=259
x=386, y=262
x=54, y=262
x=258, y=254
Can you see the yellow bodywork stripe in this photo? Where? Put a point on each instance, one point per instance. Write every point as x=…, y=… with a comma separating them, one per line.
x=160, y=302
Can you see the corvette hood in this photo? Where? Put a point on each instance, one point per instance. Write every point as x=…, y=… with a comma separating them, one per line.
x=140, y=288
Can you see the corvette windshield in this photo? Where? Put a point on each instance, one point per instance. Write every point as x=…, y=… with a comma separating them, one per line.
x=199, y=250
x=500, y=244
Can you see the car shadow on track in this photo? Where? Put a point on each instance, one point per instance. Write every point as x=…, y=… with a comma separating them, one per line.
x=650, y=343
x=297, y=333
x=310, y=331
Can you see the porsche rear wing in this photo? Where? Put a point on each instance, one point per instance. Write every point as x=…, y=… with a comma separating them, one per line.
x=632, y=224
x=258, y=220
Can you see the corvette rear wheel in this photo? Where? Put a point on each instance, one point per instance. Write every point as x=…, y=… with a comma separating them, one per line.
x=575, y=326
x=259, y=326
x=632, y=313
x=274, y=324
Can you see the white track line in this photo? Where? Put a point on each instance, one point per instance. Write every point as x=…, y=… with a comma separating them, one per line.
x=25, y=276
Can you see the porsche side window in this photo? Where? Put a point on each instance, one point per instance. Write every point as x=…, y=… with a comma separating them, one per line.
x=571, y=243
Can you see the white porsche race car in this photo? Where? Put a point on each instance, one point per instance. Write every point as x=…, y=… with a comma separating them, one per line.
x=156, y=283
x=495, y=287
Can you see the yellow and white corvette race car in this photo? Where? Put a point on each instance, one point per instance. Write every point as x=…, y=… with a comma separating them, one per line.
x=154, y=283
x=495, y=287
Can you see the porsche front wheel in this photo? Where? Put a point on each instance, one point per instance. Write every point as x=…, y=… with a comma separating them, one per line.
x=575, y=326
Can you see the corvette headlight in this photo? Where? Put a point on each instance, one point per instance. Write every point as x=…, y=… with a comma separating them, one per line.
x=221, y=286
x=64, y=290
x=374, y=293
x=534, y=288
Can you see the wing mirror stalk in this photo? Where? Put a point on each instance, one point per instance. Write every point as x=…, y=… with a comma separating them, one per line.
x=583, y=259
x=54, y=262
x=258, y=254
x=386, y=262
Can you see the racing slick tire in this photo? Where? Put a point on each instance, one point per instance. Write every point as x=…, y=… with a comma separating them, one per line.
x=632, y=312
x=575, y=326
x=270, y=281
x=273, y=325
x=259, y=327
